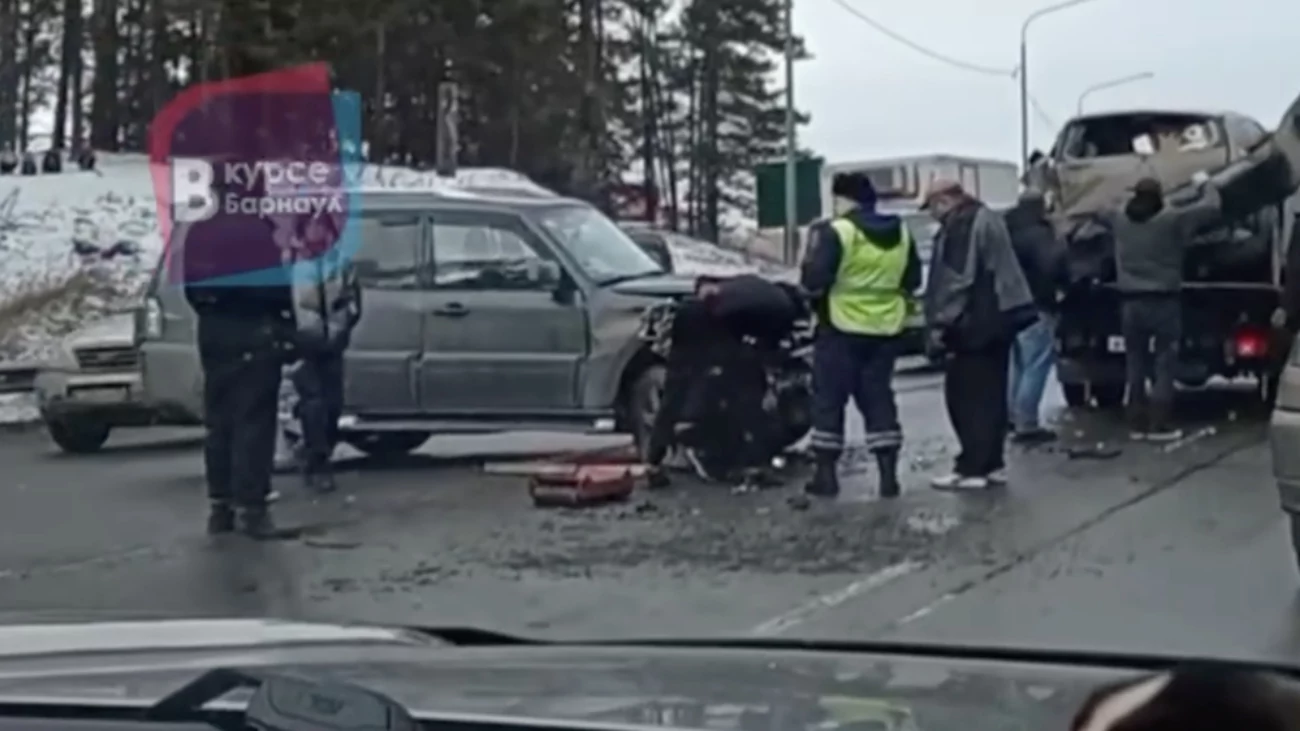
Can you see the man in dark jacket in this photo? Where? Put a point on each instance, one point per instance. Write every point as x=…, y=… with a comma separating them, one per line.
x=244, y=336
x=976, y=302
x=1041, y=255
x=715, y=382
x=1151, y=239
x=327, y=305
x=861, y=268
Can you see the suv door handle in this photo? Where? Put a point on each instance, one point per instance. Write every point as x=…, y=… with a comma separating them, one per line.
x=451, y=309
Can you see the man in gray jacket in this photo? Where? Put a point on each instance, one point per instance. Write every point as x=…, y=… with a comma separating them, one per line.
x=976, y=301
x=1151, y=239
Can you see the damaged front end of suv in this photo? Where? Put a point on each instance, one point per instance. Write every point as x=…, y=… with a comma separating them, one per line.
x=787, y=367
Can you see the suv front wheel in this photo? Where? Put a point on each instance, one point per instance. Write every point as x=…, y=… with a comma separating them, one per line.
x=643, y=401
x=387, y=443
x=78, y=436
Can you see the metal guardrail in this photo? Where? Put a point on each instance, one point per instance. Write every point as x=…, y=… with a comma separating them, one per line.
x=18, y=377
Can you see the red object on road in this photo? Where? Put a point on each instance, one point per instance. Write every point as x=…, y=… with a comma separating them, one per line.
x=578, y=485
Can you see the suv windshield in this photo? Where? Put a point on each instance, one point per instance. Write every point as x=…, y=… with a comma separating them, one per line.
x=1140, y=134
x=603, y=250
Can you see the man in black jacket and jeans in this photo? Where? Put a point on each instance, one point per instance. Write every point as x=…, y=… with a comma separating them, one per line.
x=1041, y=255
x=245, y=335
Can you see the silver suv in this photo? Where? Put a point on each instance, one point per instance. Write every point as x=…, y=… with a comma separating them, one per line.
x=483, y=311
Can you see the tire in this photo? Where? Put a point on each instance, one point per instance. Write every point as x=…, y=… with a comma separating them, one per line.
x=1076, y=395
x=1108, y=396
x=643, y=400
x=387, y=443
x=80, y=436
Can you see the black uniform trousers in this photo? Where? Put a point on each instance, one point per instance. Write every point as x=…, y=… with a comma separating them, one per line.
x=241, y=389
x=860, y=367
x=318, y=380
x=975, y=392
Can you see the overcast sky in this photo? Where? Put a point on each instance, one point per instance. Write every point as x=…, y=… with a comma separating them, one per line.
x=870, y=96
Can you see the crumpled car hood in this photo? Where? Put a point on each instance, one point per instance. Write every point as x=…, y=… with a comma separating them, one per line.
x=696, y=687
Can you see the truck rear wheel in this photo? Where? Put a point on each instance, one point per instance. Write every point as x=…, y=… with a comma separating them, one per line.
x=1104, y=395
x=1108, y=396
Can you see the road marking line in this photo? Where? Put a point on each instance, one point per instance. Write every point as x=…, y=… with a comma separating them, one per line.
x=830, y=600
x=926, y=610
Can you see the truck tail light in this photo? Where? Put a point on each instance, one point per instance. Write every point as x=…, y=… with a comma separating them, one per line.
x=1251, y=343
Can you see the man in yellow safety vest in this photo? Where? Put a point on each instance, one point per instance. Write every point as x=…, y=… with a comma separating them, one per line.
x=861, y=268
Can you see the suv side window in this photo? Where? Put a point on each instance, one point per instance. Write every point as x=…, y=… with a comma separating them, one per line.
x=485, y=251
x=388, y=255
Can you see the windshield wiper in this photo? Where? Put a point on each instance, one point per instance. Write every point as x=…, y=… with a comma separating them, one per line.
x=282, y=702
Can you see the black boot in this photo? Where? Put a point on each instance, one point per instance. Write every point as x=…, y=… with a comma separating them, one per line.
x=221, y=519
x=657, y=479
x=887, y=466
x=825, y=481
x=256, y=523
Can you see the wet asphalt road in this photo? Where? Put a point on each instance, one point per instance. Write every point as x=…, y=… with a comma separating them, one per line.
x=1166, y=549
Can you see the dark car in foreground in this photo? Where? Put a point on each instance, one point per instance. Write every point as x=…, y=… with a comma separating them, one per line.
x=234, y=674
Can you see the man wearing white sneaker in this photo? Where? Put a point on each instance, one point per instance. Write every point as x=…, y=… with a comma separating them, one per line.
x=976, y=302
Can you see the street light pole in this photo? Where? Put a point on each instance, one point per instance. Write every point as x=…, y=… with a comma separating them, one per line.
x=1024, y=71
x=1110, y=85
x=791, y=210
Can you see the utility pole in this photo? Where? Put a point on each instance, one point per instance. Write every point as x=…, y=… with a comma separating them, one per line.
x=791, y=210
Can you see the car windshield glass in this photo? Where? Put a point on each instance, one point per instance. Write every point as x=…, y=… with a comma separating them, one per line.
x=604, y=251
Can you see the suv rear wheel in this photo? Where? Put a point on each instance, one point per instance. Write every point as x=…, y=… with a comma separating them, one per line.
x=387, y=443
x=78, y=436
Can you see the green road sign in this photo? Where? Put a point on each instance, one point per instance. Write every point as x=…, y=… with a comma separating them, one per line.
x=769, y=178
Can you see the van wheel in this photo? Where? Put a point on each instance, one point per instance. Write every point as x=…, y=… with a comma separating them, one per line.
x=643, y=401
x=387, y=443
x=79, y=436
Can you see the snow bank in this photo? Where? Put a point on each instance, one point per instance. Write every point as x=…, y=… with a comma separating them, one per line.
x=91, y=236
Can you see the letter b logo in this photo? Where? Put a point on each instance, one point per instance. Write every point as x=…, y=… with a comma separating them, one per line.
x=193, y=198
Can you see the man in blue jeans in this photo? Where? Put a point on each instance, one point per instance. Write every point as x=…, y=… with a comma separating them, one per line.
x=1033, y=353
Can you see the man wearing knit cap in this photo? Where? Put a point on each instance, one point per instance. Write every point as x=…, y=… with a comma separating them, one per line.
x=976, y=302
x=860, y=269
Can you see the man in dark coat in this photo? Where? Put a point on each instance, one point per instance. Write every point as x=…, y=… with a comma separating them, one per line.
x=1041, y=255
x=976, y=302
x=245, y=334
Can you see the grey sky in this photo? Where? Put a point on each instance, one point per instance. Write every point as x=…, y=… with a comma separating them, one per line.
x=870, y=96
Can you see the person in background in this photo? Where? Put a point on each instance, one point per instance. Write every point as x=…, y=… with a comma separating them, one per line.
x=1151, y=238
x=327, y=306
x=1195, y=697
x=1286, y=318
x=245, y=334
x=1041, y=255
x=860, y=268
x=976, y=302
